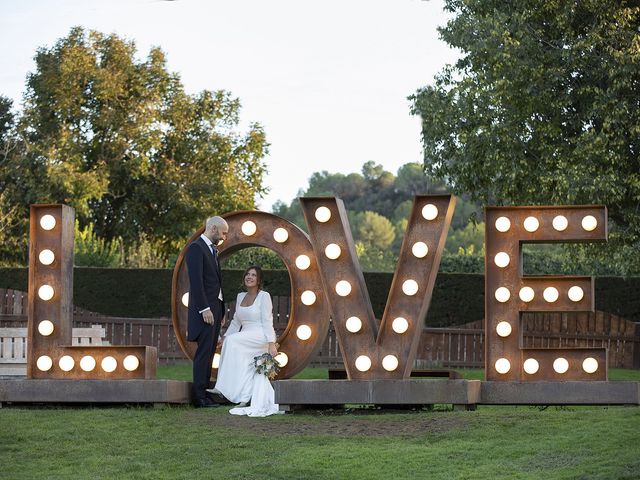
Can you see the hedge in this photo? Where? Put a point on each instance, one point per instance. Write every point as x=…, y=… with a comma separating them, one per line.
x=457, y=298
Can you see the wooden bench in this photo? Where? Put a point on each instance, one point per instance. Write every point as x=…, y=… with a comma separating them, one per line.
x=13, y=346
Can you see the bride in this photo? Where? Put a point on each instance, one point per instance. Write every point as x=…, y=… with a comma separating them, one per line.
x=249, y=335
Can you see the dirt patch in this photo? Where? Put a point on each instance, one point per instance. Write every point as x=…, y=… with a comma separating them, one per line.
x=341, y=423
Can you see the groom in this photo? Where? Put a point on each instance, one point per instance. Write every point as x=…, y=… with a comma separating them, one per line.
x=206, y=305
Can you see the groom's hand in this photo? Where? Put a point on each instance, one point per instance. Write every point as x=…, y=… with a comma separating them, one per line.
x=207, y=316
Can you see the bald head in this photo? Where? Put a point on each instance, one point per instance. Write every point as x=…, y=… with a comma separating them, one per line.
x=216, y=229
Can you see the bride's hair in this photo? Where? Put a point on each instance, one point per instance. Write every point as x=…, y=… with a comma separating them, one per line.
x=258, y=274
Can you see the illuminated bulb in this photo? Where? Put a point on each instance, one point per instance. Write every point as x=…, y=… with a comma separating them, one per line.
x=503, y=329
x=363, y=363
x=332, y=251
x=216, y=360
x=503, y=224
x=429, y=211
x=248, y=228
x=308, y=297
x=576, y=293
x=109, y=364
x=303, y=332
x=560, y=223
x=87, y=363
x=343, y=288
x=45, y=292
x=303, y=262
x=185, y=299
x=44, y=363
x=280, y=235
x=550, y=294
x=531, y=366
x=46, y=257
x=390, y=363
x=502, y=294
x=410, y=287
x=589, y=223
x=131, y=363
x=531, y=224
x=354, y=324
x=400, y=325
x=503, y=365
x=590, y=365
x=45, y=327
x=323, y=214
x=48, y=222
x=560, y=365
x=282, y=359
x=501, y=259
x=66, y=363
x=420, y=249
x=526, y=294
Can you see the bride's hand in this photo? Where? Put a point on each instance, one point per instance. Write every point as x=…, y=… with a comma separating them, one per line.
x=273, y=350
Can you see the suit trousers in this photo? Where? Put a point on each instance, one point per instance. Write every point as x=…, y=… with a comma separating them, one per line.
x=203, y=358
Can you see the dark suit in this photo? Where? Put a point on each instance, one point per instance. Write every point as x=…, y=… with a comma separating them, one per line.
x=205, y=283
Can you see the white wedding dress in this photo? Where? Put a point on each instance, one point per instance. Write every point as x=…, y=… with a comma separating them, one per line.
x=247, y=337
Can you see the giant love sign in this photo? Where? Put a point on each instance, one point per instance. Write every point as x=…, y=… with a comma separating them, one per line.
x=326, y=281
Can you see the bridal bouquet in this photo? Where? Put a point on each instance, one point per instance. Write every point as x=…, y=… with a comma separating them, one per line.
x=267, y=365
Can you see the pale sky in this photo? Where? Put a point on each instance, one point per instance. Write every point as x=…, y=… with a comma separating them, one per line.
x=328, y=80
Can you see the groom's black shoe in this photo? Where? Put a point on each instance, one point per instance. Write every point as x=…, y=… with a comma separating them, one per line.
x=218, y=398
x=204, y=403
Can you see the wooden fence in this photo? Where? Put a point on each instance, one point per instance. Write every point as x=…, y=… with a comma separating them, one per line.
x=439, y=347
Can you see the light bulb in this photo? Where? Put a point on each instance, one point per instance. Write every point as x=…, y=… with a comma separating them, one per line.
x=429, y=211
x=589, y=223
x=45, y=327
x=185, y=299
x=390, y=363
x=560, y=223
x=248, y=228
x=216, y=360
x=363, y=363
x=526, y=294
x=531, y=224
x=323, y=214
x=343, y=288
x=501, y=259
x=503, y=366
x=410, y=287
x=560, y=365
x=531, y=366
x=550, y=294
x=87, y=363
x=503, y=224
x=282, y=359
x=576, y=293
x=45, y=292
x=109, y=364
x=420, y=249
x=131, y=363
x=303, y=332
x=48, y=222
x=280, y=235
x=400, y=325
x=590, y=365
x=303, y=262
x=353, y=324
x=502, y=294
x=308, y=297
x=503, y=329
x=332, y=251
x=66, y=363
x=46, y=257
x=44, y=363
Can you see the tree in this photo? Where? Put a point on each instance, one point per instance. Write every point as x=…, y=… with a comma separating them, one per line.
x=541, y=108
x=120, y=141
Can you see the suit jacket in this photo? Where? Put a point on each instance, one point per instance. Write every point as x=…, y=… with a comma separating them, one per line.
x=205, y=284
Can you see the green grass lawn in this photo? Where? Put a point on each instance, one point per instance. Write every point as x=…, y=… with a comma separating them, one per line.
x=184, y=443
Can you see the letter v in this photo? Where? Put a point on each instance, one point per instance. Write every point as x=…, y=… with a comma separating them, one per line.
x=386, y=351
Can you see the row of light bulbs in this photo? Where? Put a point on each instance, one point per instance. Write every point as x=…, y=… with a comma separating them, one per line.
x=560, y=365
x=550, y=294
x=389, y=363
x=88, y=363
x=559, y=223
